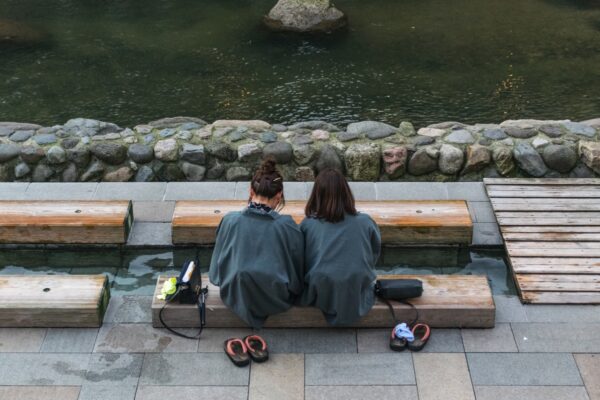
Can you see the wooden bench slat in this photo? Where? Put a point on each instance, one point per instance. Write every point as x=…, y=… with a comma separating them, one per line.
x=447, y=301
x=558, y=283
x=441, y=222
x=541, y=181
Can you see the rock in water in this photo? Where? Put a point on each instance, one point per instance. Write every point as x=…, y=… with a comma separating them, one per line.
x=305, y=16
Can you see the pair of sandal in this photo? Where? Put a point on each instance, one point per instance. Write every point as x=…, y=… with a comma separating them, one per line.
x=420, y=333
x=240, y=351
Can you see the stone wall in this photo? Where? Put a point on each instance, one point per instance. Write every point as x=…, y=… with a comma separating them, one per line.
x=182, y=148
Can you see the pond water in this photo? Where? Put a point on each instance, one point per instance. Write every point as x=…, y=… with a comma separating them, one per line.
x=424, y=61
x=134, y=272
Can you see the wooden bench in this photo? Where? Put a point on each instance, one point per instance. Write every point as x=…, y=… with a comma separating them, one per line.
x=400, y=222
x=53, y=301
x=65, y=222
x=448, y=301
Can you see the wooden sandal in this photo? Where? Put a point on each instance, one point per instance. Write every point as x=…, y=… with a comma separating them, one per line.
x=237, y=352
x=421, y=333
x=396, y=343
x=257, y=348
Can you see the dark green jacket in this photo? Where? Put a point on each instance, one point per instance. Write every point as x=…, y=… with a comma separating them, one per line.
x=258, y=264
x=340, y=260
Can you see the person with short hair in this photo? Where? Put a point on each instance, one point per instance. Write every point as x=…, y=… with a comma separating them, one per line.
x=258, y=259
x=342, y=247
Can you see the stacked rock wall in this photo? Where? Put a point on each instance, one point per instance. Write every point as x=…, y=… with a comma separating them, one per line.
x=182, y=148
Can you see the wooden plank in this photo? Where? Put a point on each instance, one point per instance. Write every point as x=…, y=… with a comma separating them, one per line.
x=548, y=221
x=400, y=222
x=553, y=249
x=551, y=237
x=561, y=297
x=65, y=222
x=533, y=204
x=66, y=301
x=558, y=283
x=550, y=229
x=447, y=301
x=542, y=181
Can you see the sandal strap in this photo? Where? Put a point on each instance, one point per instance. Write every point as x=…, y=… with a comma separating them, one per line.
x=427, y=331
x=229, y=347
x=248, y=339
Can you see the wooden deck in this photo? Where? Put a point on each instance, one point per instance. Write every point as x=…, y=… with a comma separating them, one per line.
x=53, y=301
x=65, y=222
x=551, y=229
x=448, y=301
x=400, y=222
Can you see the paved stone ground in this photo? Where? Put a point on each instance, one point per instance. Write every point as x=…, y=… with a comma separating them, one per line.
x=534, y=352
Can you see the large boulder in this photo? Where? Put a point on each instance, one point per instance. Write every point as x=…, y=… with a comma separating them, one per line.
x=450, y=160
x=363, y=162
x=394, y=161
x=590, y=155
x=372, y=129
x=560, y=158
x=422, y=163
x=305, y=16
x=529, y=160
x=503, y=160
x=478, y=157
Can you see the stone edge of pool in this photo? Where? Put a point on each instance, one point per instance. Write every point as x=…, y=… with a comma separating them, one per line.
x=154, y=202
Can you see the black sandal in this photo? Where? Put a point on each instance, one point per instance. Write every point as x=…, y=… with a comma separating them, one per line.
x=257, y=348
x=237, y=352
x=421, y=333
x=396, y=343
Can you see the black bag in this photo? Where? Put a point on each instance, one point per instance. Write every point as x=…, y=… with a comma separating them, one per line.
x=189, y=291
x=398, y=289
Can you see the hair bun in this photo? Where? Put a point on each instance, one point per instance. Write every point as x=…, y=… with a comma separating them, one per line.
x=268, y=166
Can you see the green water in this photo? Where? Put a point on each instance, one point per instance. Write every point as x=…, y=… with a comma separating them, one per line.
x=129, y=61
x=134, y=272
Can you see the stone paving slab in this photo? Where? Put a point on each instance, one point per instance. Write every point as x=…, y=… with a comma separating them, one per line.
x=472, y=191
x=192, y=369
x=441, y=341
x=153, y=211
x=192, y=392
x=443, y=376
x=360, y=392
x=509, y=309
x=108, y=392
x=61, y=191
x=496, y=340
x=13, y=191
x=199, y=191
x=141, y=191
x=141, y=338
x=310, y=340
x=411, y=191
x=150, y=234
x=521, y=369
x=481, y=211
x=69, y=340
x=589, y=367
x=21, y=340
x=39, y=392
x=282, y=377
x=212, y=339
x=114, y=369
x=43, y=369
x=486, y=234
x=531, y=393
x=557, y=337
x=562, y=313
x=359, y=369
x=123, y=309
x=363, y=190
x=291, y=190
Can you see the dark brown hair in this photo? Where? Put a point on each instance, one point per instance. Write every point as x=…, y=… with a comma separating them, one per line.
x=267, y=181
x=331, y=197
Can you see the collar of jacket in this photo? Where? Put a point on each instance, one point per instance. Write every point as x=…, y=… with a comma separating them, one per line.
x=257, y=211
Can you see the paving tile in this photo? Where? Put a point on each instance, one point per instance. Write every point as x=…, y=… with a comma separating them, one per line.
x=443, y=376
x=441, y=341
x=472, y=191
x=359, y=369
x=562, y=313
x=210, y=369
x=42, y=369
x=486, y=234
x=291, y=190
x=140, y=338
x=482, y=210
x=509, y=309
x=39, y=392
x=589, y=367
x=310, y=340
x=530, y=393
x=193, y=392
x=360, y=392
x=114, y=369
x=522, y=369
x=108, y=392
x=61, y=191
x=153, y=211
x=21, y=340
x=363, y=190
x=200, y=191
x=150, y=234
x=212, y=339
x=133, y=309
x=13, y=190
x=557, y=337
x=411, y=191
x=69, y=340
x=495, y=340
x=148, y=191
x=282, y=377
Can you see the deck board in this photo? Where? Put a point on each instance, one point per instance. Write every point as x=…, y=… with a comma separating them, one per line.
x=448, y=301
x=400, y=222
x=551, y=230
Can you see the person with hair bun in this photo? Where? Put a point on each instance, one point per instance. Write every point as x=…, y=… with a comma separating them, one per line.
x=341, y=249
x=258, y=259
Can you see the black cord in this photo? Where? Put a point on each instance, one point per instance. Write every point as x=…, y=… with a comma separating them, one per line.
x=393, y=312
x=201, y=304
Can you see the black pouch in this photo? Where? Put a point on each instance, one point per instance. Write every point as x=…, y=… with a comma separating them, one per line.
x=398, y=289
